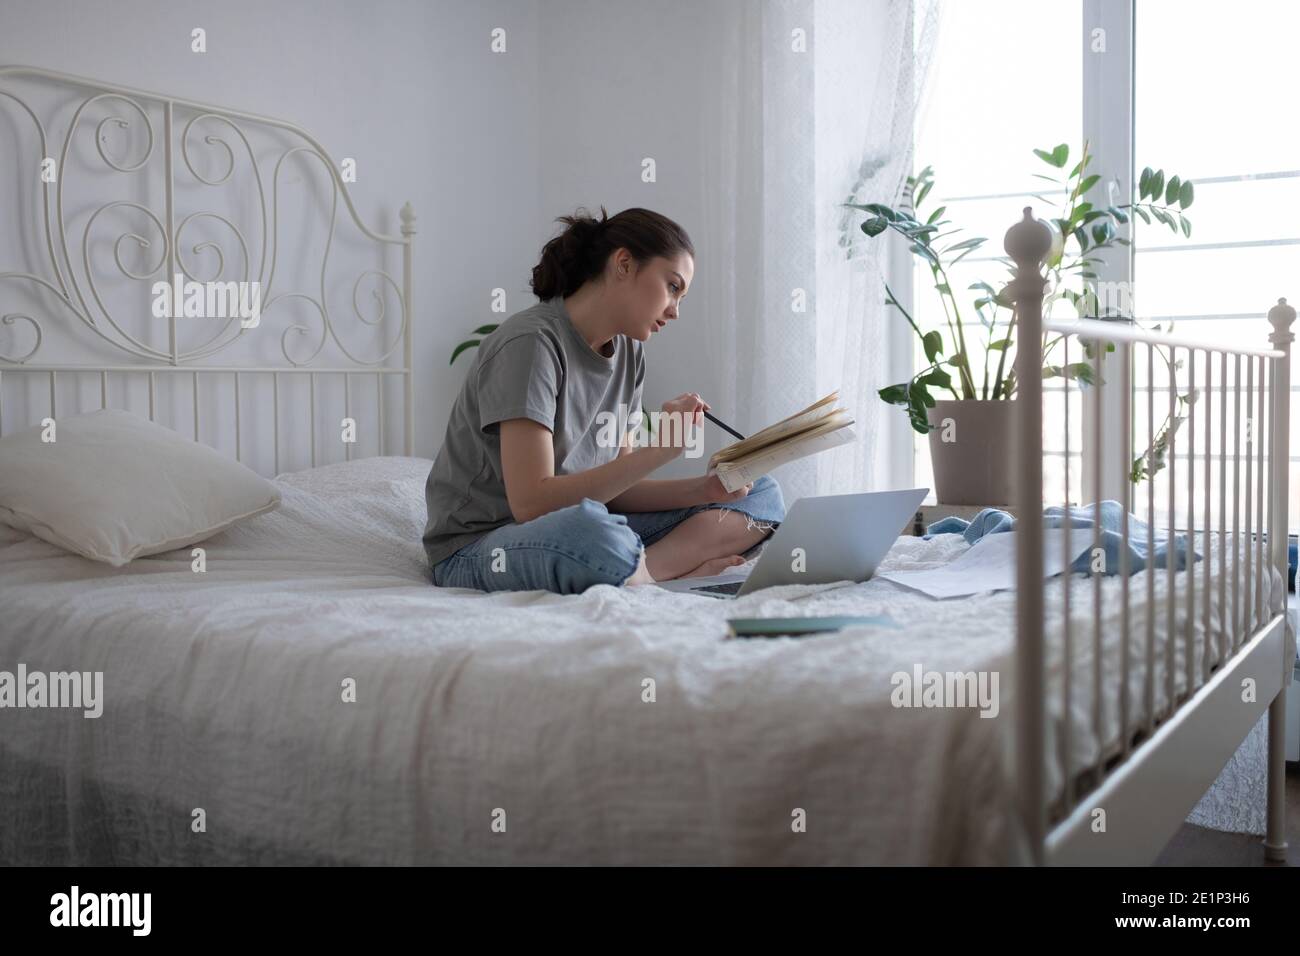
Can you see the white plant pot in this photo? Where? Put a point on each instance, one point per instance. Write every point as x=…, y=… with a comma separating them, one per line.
x=972, y=447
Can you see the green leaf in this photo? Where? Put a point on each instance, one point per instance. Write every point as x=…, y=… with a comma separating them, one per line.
x=485, y=330
x=958, y=361
x=920, y=197
x=938, y=378
x=1171, y=191
x=1164, y=217
x=1144, y=183
x=933, y=343
x=1000, y=345
x=1158, y=184
x=1044, y=155
x=1082, y=236
x=1118, y=214
x=1086, y=184
x=894, y=394
x=974, y=243
x=1186, y=194
x=1187, y=226
x=1060, y=155
x=874, y=227
x=462, y=347
x=1142, y=214
x=925, y=252
x=920, y=395
x=934, y=216
x=1102, y=232
x=878, y=209
x=1076, y=370
x=1081, y=371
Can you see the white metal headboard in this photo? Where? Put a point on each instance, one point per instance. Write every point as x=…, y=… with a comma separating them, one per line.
x=79, y=297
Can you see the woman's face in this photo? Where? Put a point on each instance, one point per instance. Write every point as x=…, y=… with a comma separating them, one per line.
x=655, y=292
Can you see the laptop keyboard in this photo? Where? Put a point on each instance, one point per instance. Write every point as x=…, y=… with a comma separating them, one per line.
x=731, y=587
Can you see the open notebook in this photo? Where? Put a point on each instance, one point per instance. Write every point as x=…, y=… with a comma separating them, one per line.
x=818, y=427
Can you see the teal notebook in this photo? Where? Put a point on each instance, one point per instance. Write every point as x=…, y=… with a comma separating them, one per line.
x=796, y=626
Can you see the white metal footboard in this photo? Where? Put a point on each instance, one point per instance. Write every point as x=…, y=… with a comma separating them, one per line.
x=1173, y=734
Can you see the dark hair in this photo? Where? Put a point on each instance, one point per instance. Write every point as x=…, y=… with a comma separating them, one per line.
x=581, y=251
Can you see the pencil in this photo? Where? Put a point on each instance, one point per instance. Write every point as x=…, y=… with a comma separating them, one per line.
x=724, y=426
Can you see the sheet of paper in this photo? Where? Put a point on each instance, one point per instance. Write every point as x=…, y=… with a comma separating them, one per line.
x=990, y=564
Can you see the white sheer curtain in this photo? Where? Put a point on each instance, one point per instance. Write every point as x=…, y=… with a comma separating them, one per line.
x=799, y=128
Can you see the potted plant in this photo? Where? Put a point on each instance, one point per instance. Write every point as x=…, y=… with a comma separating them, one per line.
x=970, y=432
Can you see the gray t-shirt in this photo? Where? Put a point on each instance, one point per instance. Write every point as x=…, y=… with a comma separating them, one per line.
x=534, y=365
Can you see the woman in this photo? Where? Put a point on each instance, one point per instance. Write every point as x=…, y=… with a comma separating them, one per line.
x=529, y=491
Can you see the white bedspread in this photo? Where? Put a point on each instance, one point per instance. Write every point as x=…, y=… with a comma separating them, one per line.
x=223, y=692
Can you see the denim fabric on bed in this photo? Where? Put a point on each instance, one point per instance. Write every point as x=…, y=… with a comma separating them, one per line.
x=993, y=521
x=570, y=549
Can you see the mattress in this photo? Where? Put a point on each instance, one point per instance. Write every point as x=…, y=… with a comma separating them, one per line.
x=312, y=697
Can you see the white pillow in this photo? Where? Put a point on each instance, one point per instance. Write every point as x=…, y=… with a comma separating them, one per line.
x=114, y=486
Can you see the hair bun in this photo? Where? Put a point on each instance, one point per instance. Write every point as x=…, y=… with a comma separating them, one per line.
x=580, y=252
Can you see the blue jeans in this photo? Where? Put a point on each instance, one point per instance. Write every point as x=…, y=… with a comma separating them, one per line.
x=570, y=549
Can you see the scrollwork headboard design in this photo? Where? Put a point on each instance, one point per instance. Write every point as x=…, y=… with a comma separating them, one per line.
x=179, y=152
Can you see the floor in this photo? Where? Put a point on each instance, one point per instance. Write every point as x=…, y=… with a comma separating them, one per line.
x=1197, y=846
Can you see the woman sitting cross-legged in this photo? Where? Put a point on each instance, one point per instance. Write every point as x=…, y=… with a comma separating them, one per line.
x=531, y=490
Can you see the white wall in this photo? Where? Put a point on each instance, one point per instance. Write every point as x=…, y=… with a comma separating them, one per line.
x=489, y=148
x=621, y=81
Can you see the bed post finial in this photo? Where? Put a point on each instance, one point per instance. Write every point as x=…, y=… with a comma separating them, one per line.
x=1280, y=317
x=408, y=219
x=1028, y=242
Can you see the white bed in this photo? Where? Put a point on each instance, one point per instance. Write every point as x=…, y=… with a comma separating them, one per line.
x=224, y=692
x=226, y=738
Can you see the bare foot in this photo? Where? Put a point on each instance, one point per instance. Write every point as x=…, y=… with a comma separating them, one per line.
x=641, y=575
x=715, y=566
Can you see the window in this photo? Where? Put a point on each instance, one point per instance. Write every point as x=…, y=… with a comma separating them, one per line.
x=978, y=132
x=1189, y=85
x=1210, y=83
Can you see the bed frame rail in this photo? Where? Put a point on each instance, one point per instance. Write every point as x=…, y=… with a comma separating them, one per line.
x=1169, y=750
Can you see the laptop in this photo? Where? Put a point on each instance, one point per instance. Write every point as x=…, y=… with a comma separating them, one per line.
x=842, y=537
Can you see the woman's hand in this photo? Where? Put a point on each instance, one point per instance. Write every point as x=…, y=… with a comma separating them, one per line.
x=714, y=492
x=689, y=405
x=686, y=408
